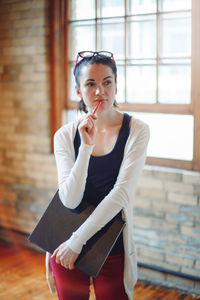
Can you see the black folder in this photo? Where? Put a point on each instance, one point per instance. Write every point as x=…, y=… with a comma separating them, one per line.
x=58, y=223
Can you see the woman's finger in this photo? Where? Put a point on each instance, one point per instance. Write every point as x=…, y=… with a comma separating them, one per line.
x=57, y=255
x=88, y=120
x=87, y=124
x=54, y=253
x=71, y=266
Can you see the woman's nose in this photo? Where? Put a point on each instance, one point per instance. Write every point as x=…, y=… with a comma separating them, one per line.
x=98, y=91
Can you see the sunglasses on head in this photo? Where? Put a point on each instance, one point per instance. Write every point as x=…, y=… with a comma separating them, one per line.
x=90, y=54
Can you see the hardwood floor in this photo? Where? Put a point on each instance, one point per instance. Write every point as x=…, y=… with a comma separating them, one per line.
x=22, y=277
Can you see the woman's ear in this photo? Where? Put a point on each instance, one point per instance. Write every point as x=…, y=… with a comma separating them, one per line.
x=78, y=92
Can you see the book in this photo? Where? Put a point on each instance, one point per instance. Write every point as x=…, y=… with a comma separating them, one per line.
x=57, y=224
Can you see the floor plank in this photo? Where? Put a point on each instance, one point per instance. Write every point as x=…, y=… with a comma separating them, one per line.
x=22, y=277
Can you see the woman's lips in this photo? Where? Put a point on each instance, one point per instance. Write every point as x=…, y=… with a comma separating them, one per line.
x=100, y=99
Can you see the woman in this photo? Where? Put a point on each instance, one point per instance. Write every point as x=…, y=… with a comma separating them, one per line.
x=99, y=160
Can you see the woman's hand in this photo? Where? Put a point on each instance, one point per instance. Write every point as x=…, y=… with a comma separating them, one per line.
x=87, y=129
x=65, y=256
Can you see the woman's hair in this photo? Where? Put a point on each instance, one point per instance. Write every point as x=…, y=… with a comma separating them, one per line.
x=96, y=59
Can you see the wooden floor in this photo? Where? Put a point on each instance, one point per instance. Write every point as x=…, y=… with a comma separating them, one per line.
x=22, y=277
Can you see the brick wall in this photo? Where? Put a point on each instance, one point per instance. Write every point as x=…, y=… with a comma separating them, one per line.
x=167, y=208
x=27, y=168
x=167, y=224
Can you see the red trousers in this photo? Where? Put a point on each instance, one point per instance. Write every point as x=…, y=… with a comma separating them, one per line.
x=74, y=284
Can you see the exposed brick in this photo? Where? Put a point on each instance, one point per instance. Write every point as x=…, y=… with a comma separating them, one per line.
x=172, y=242
x=158, y=263
x=179, y=187
x=197, y=190
x=28, y=41
x=191, y=177
x=167, y=174
x=5, y=9
x=165, y=206
x=5, y=60
x=197, y=265
x=40, y=4
x=183, y=199
x=150, y=182
x=5, y=25
x=179, y=260
x=11, y=51
x=35, y=13
x=27, y=68
x=190, y=271
x=5, y=43
x=190, y=232
x=41, y=67
x=24, y=5
x=180, y=219
x=197, y=287
x=151, y=193
x=25, y=23
x=151, y=253
x=141, y=202
x=33, y=77
x=11, y=16
x=190, y=210
x=180, y=282
x=38, y=59
x=142, y=221
x=144, y=273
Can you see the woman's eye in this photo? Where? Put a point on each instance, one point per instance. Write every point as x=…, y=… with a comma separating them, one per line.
x=90, y=84
x=108, y=82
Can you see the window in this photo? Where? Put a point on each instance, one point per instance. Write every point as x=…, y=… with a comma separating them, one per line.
x=156, y=46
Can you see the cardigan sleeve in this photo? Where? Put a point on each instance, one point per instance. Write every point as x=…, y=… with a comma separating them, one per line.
x=72, y=174
x=122, y=192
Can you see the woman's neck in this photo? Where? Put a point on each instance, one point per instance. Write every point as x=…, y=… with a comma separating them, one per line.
x=108, y=118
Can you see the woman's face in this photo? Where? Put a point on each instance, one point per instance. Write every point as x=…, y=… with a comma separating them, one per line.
x=97, y=82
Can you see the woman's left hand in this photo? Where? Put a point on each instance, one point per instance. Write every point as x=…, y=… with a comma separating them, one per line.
x=65, y=256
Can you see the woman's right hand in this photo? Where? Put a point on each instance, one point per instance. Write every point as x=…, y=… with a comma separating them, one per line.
x=87, y=129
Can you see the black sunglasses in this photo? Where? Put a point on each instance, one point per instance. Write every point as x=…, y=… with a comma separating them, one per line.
x=90, y=54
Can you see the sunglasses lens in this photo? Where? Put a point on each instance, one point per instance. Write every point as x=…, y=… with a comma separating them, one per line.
x=105, y=53
x=84, y=54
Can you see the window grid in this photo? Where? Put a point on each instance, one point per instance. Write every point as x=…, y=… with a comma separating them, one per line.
x=60, y=100
x=129, y=62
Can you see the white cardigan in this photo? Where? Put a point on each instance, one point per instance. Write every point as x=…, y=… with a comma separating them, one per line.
x=72, y=175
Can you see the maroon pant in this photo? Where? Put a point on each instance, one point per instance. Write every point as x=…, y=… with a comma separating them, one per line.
x=74, y=284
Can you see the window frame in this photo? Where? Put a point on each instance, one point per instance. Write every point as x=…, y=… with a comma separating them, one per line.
x=59, y=10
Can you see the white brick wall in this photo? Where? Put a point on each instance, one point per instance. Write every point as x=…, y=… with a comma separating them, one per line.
x=167, y=226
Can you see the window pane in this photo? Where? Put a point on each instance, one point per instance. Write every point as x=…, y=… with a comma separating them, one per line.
x=111, y=37
x=141, y=6
x=82, y=9
x=141, y=84
x=120, y=97
x=170, y=5
x=174, y=84
x=111, y=8
x=71, y=115
x=141, y=37
x=175, y=35
x=73, y=95
x=82, y=37
x=171, y=135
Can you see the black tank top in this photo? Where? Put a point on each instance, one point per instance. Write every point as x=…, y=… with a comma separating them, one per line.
x=103, y=171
